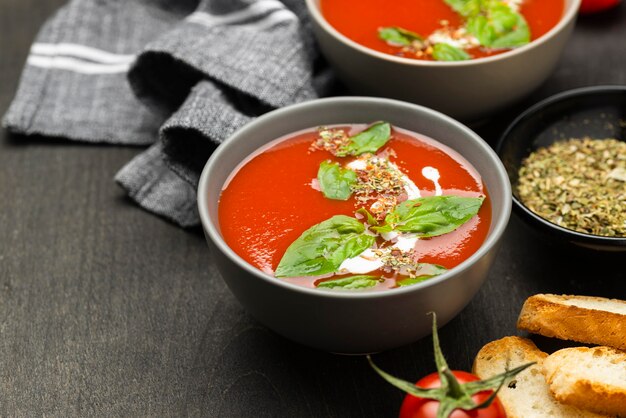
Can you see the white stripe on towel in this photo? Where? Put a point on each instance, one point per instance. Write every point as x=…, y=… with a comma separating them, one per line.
x=81, y=51
x=257, y=9
x=279, y=16
x=76, y=65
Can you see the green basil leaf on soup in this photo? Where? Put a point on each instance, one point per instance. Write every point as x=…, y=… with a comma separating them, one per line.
x=426, y=271
x=499, y=27
x=466, y=8
x=367, y=141
x=396, y=36
x=322, y=248
x=431, y=216
x=447, y=52
x=335, y=181
x=518, y=36
x=371, y=221
x=353, y=282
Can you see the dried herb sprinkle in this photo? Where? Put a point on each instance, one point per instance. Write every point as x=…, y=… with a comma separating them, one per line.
x=330, y=140
x=579, y=184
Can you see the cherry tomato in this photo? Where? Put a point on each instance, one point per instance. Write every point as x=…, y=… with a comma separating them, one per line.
x=414, y=407
x=593, y=6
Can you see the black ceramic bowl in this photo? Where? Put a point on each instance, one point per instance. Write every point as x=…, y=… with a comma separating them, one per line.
x=597, y=112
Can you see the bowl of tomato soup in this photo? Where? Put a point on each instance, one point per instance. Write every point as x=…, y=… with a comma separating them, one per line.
x=463, y=57
x=340, y=223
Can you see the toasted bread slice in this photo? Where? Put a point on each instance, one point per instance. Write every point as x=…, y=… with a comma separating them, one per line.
x=527, y=396
x=589, y=378
x=584, y=319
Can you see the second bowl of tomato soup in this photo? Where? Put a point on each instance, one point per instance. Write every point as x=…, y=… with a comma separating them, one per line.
x=339, y=223
x=465, y=58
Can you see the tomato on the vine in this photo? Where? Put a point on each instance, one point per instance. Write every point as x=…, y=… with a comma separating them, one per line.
x=450, y=393
x=414, y=407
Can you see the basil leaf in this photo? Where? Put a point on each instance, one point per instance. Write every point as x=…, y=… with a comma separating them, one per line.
x=465, y=7
x=396, y=36
x=518, y=35
x=367, y=215
x=499, y=27
x=431, y=216
x=322, y=248
x=353, y=282
x=412, y=280
x=493, y=23
x=335, y=182
x=427, y=271
x=447, y=52
x=369, y=140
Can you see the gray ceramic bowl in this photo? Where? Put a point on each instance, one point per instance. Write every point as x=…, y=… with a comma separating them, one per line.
x=352, y=322
x=466, y=90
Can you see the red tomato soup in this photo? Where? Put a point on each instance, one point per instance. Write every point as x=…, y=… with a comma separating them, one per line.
x=272, y=200
x=437, y=21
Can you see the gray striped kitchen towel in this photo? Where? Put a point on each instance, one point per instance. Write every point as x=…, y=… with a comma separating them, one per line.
x=178, y=75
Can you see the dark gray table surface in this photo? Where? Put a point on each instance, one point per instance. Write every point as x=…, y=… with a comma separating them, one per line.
x=107, y=310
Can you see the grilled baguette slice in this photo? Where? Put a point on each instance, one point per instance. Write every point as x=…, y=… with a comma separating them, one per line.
x=527, y=396
x=589, y=378
x=584, y=319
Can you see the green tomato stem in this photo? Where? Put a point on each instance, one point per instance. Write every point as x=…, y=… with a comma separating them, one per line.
x=455, y=389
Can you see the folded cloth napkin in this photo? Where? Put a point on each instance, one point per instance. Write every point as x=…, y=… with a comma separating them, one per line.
x=181, y=75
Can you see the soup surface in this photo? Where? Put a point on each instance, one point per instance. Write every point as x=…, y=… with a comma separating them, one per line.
x=476, y=34
x=270, y=204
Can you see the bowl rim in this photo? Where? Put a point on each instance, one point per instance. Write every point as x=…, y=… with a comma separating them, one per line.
x=498, y=224
x=530, y=113
x=569, y=14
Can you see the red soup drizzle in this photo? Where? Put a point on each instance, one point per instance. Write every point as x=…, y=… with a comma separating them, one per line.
x=269, y=200
x=360, y=20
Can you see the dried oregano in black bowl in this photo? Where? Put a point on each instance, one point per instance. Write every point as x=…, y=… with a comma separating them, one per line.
x=579, y=184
